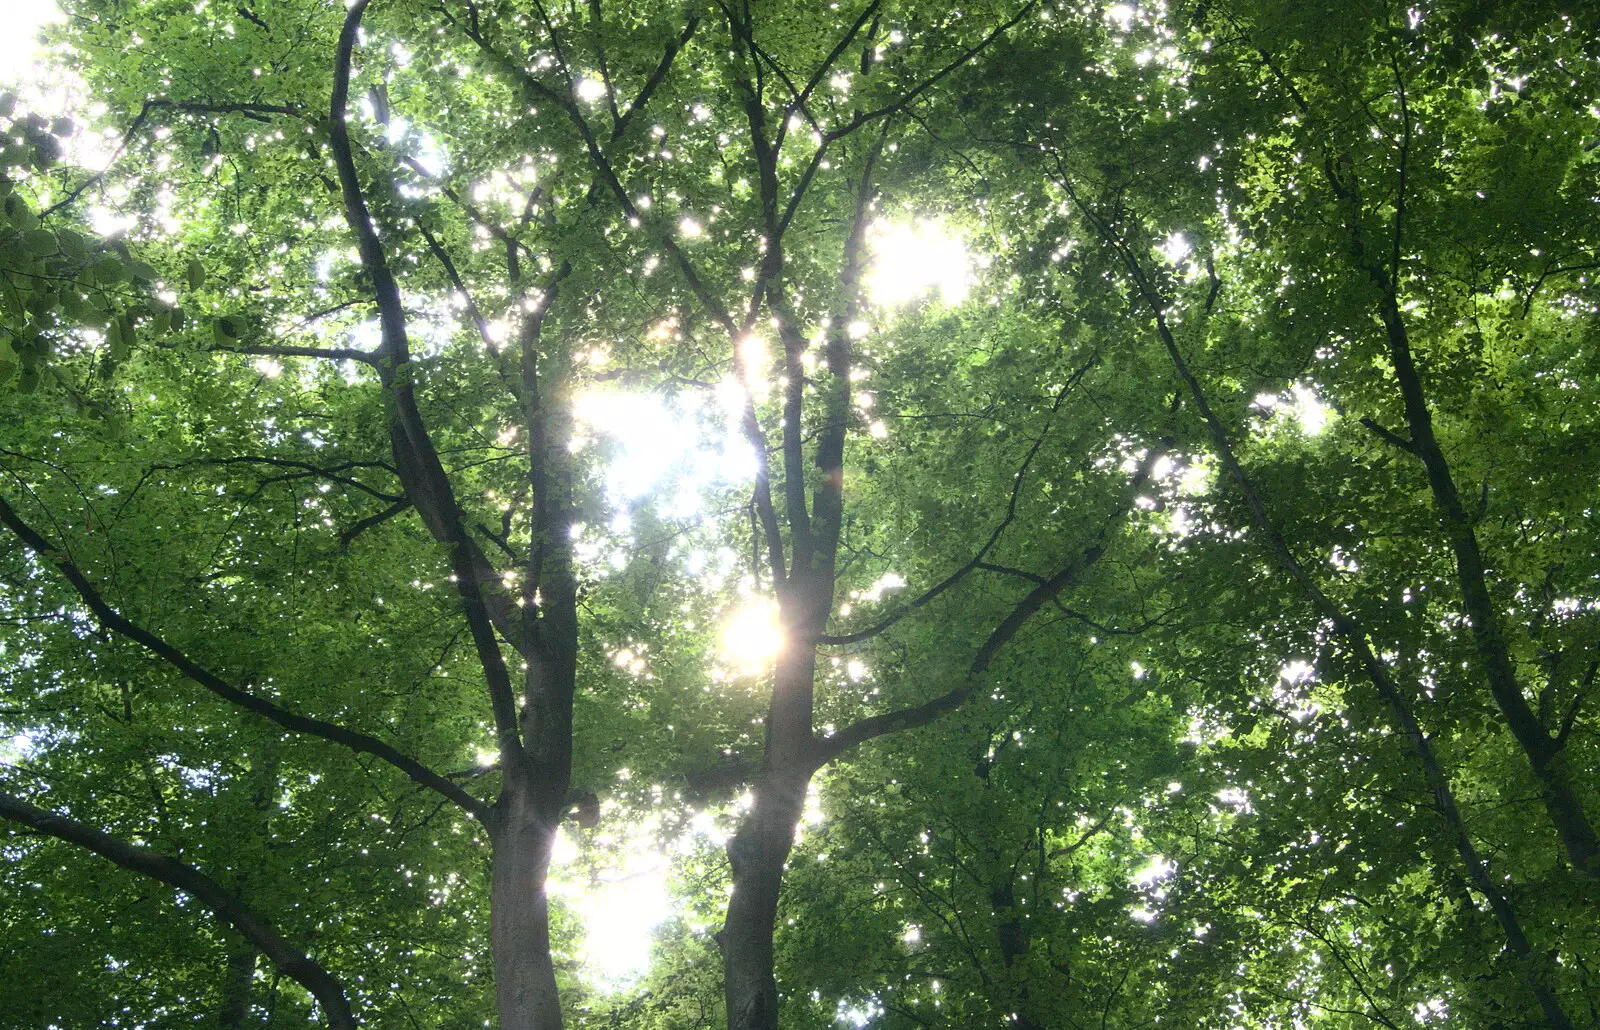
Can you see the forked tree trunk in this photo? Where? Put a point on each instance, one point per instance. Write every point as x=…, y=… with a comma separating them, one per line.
x=523, y=837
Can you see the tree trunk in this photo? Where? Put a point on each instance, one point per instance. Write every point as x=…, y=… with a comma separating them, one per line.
x=1556, y=789
x=758, y=853
x=234, y=1012
x=760, y=848
x=519, y=908
x=1015, y=942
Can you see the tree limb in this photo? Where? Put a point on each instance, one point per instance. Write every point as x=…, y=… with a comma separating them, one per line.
x=117, y=622
x=1045, y=592
x=484, y=602
x=288, y=959
x=977, y=561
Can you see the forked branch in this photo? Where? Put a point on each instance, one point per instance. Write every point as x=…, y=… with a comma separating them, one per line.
x=485, y=605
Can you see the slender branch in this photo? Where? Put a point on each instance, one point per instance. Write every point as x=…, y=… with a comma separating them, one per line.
x=977, y=561
x=922, y=87
x=873, y=726
x=117, y=622
x=863, y=118
x=289, y=960
x=282, y=351
x=348, y=536
x=1388, y=436
x=799, y=102
x=473, y=212
x=1571, y=715
x=484, y=603
x=333, y=473
x=473, y=311
x=257, y=111
x=1088, y=835
x=1045, y=592
x=657, y=77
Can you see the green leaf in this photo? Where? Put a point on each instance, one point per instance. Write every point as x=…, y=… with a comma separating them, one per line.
x=39, y=242
x=109, y=271
x=117, y=340
x=46, y=152
x=143, y=272
x=73, y=244
x=226, y=330
x=196, y=274
x=20, y=213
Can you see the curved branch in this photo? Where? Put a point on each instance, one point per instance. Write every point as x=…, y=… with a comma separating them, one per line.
x=862, y=118
x=256, y=111
x=1044, y=593
x=289, y=960
x=348, y=536
x=920, y=715
x=485, y=604
x=117, y=622
x=657, y=76
x=276, y=351
x=304, y=469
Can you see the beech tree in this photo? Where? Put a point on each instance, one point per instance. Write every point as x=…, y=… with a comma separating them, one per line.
x=1032, y=514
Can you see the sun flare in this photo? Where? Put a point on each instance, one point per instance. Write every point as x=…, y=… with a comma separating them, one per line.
x=912, y=259
x=752, y=637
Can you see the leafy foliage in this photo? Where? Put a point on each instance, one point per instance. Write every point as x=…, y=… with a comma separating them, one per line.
x=1193, y=593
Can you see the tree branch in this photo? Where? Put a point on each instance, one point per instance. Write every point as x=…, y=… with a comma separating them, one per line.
x=977, y=561
x=117, y=622
x=828, y=748
x=306, y=469
x=1571, y=715
x=657, y=76
x=280, y=351
x=288, y=959
x=484, y=602
x=256, y=111
x=1388, y=436
x=348, y=536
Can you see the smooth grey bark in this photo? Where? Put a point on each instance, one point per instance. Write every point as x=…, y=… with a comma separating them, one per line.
x=542, y=625
x=758, y=852
x=523, y=834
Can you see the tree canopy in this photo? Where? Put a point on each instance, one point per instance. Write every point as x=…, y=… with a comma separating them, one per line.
x=878, y=514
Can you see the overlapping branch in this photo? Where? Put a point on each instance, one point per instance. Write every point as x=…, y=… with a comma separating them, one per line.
x=257, y=111
x=977, y=560
x=1349, y=630
x=1046, y=591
